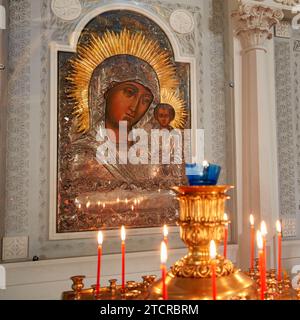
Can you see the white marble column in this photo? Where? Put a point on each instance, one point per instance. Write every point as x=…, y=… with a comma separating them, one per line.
x=256, y=136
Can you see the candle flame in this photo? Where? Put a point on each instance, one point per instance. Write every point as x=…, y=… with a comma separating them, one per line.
x=263, y=229
x=132, y=208
x=259, y=240
x=118, y=200
x=103, y=205
x=100, y=238
x=98, y=203
x=79, y=206
x=252, y=220
x=212, y=250
x=88, y=204
x=123, y=233
x=278, y=226
x=205, y=164
x=163, y=253
x=166, y=231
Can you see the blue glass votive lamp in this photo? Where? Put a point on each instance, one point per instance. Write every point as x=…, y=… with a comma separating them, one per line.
x=205, y=174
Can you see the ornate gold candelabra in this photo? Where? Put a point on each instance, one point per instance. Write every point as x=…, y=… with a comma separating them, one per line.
x=201, y=220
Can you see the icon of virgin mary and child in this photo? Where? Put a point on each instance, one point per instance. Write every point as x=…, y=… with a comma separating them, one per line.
x=124, y=89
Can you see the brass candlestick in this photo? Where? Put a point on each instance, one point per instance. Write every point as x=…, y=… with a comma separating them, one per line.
x=201, y=220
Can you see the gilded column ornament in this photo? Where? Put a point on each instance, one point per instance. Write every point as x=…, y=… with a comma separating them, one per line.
x=254, y=23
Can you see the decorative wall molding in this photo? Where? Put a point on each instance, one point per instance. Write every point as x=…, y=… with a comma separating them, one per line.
x=253, y=24
x=282, y=4
x=14, y=248
x=66, y=9
x=18, y=123
x=289, y=227
x=182, y=21
x=285, y=127
x=283, y=29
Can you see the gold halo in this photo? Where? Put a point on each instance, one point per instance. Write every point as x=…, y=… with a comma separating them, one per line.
x=111, y=44
x=171, y=98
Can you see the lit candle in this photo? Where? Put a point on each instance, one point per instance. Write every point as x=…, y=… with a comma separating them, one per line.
x=225, y=235
x=205, y=165
x=260, y=261
x=166, y=232
x=213, y=254
x=123, y=237
x=278, y=227
x=263, y=230
x=252, y=240
x=163, y=260
x=100, y=241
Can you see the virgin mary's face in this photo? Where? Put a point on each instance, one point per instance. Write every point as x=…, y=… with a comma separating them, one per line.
x=127, y=101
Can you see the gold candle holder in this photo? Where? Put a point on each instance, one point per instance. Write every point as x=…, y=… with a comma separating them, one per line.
x=201, y=220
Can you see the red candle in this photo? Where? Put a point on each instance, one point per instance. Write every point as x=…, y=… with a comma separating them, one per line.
x=100, y=241
x=278, y=227
x=263, y=230
x=166, y=232
x=163, y=259
x=213, y=254
x=252, y=240
x=225, y=235
x=123, y=237
x=261, y=266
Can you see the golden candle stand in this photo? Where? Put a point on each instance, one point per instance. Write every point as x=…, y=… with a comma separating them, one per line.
x=201, y=220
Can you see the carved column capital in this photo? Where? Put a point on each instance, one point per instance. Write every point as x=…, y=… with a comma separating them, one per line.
x=253, y=23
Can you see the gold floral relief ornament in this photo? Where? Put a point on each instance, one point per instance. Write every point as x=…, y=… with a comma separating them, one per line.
x=90, y=56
